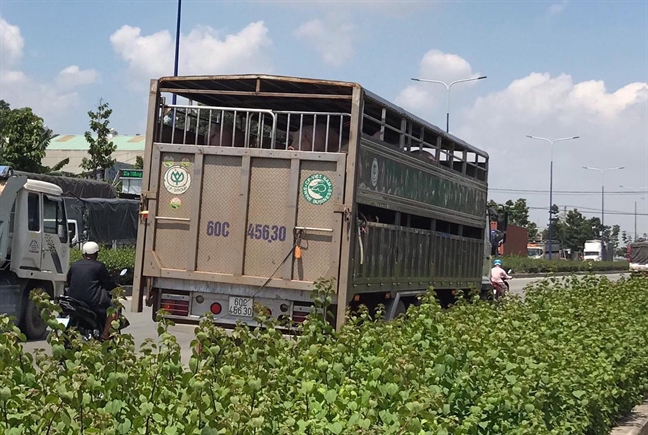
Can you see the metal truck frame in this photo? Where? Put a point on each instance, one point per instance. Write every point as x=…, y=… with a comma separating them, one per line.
x=384, y=202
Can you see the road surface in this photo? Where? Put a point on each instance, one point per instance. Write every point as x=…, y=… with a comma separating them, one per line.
x=142, y=327
x=517, y=285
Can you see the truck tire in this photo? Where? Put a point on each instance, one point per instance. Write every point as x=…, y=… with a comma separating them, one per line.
x=33, y=324
x=401, y=308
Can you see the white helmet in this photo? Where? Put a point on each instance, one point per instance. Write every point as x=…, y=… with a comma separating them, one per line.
x=90, y=248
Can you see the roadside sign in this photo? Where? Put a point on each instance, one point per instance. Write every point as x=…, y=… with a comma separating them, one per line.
x=131, y=173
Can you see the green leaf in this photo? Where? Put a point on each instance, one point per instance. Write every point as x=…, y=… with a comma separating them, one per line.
x=578, y=393
x=511, y=378
x=336, y=427
x=330, y=396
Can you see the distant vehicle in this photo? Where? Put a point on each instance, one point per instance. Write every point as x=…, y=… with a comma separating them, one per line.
x=540, y=250
x=515, y=242
x=593, y=250
x=638, y=257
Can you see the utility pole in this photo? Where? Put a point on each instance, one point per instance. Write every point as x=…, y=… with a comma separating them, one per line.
x=551, y=142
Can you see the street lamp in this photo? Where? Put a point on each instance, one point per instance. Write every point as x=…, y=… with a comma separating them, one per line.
x=635, y=207
x=551, y=142
x=603, y=171
x=448, y=86
x=177, y=50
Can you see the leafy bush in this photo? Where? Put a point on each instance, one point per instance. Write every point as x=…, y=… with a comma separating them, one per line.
x=531, y=265
x=569, y=360
x=115, y=261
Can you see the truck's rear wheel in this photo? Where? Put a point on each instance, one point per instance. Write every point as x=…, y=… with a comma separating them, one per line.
x=401, y=308
x=33, y=324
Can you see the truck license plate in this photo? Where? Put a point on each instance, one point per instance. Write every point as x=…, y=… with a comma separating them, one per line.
x=242, y=307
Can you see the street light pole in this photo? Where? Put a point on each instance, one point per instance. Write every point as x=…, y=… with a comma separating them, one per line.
x=551, y=142
x=448, y=86
x=635, y=208
x=603, y=171
x=177, y=48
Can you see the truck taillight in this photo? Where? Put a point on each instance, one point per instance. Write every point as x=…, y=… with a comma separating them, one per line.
x=174, y=304
x=216, y=308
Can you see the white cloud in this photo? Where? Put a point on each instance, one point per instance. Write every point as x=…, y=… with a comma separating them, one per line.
x=424, y=97
x=612, y=125
x=332, y=38
x=202, y=51
x=557, y=8
x=73, y=76
x=48, y=99
x=613, y=130
x=11, y=44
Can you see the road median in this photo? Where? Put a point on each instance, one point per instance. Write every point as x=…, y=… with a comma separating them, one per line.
x=557, y=274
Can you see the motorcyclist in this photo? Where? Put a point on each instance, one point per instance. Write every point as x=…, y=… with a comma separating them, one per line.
x=498, y=275
x=88, y=281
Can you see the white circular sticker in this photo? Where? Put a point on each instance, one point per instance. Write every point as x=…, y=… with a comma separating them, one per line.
x=177, y=180
x=374, y=172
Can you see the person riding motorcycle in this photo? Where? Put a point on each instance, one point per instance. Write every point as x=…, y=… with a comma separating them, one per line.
x=88, y=281
x=498, y=275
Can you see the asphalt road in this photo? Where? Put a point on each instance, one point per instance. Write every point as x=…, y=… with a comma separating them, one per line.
x=142, y=327
x=517, y=285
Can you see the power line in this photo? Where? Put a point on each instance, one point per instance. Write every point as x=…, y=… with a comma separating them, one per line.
x=570, y=192
x=589, y=210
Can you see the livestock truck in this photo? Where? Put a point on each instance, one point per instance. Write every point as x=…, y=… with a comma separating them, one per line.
x=34, y=251
x=258, y=185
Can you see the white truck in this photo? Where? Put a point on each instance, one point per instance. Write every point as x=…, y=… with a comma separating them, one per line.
x=34, y=251
x=593, y=250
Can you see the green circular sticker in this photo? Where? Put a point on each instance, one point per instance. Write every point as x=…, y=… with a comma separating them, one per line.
x=175, y=203
x=317, y=189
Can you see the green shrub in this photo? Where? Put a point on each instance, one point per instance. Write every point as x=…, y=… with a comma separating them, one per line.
x=115, y=261
x=530, y=265
x=569, y=360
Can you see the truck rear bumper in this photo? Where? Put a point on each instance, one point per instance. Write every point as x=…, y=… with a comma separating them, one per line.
x=229, y=304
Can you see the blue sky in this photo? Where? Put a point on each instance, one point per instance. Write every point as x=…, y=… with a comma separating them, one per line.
x=555, y=68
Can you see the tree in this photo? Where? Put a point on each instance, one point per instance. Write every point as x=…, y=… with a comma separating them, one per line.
x=611, y=235
x=101, y=148
x=625, y=238
x=139, y=163
x=21, y=139
x=574, y=229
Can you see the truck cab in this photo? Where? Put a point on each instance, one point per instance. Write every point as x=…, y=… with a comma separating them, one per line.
x=34, y=251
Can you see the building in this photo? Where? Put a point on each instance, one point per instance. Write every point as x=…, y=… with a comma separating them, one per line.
x=75, y=147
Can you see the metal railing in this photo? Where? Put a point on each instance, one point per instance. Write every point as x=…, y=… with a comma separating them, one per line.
x=253, y=128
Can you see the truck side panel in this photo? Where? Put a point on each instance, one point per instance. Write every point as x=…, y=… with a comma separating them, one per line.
x=444, y=248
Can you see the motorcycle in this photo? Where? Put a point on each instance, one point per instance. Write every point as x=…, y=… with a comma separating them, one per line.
x=499, y=290
x=78, y=315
